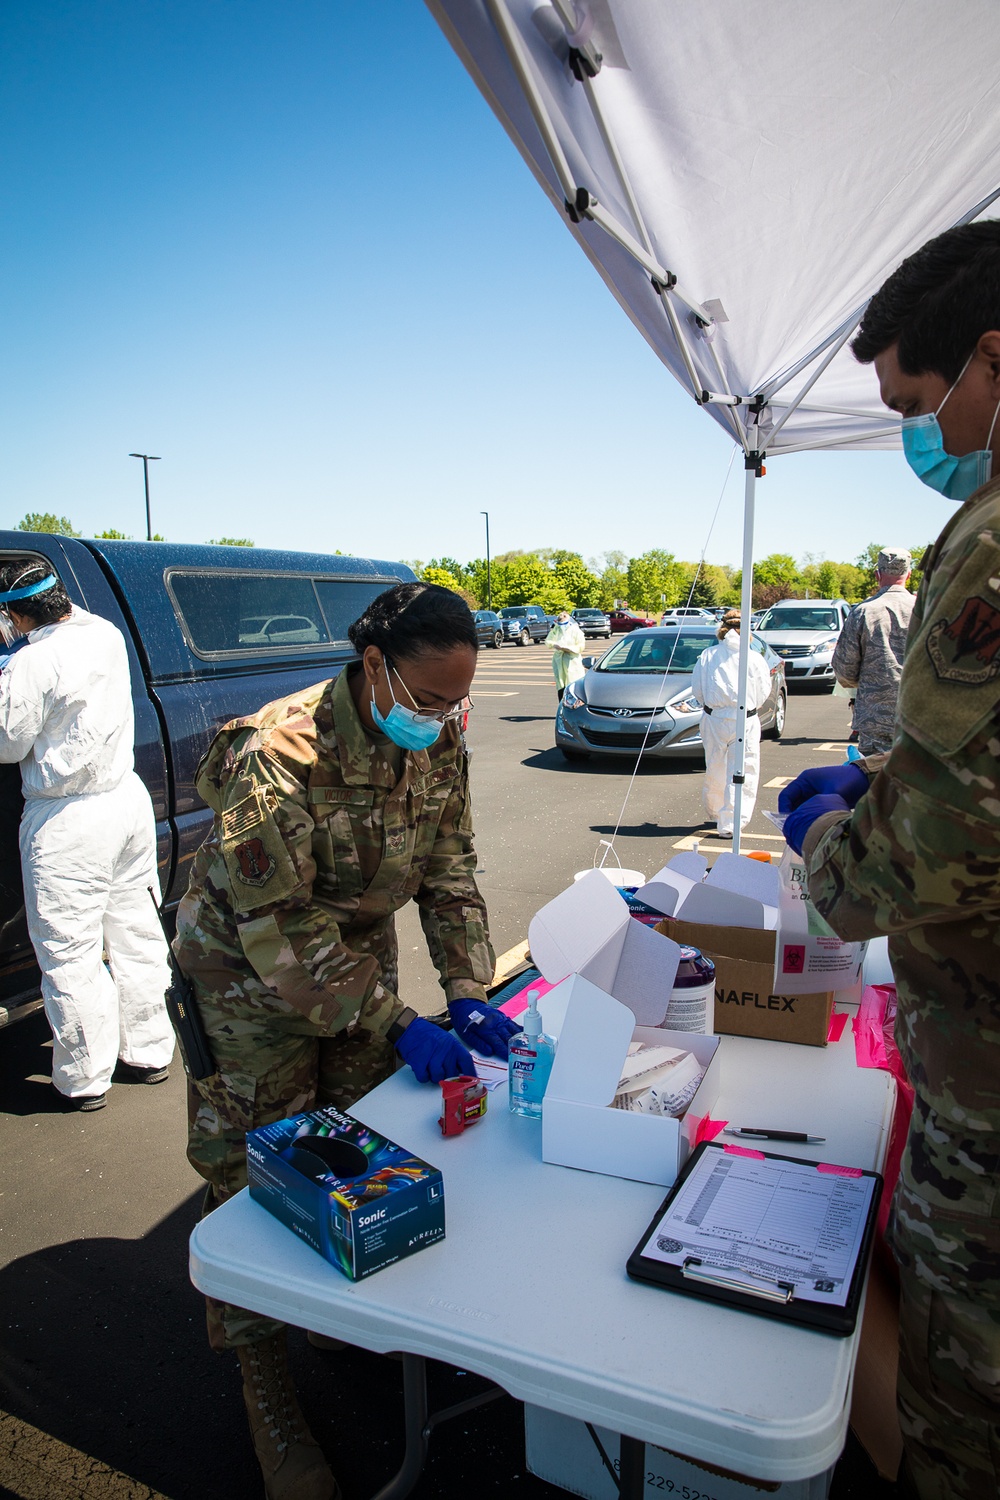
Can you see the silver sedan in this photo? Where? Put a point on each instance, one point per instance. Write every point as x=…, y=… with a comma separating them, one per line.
x=640, y=691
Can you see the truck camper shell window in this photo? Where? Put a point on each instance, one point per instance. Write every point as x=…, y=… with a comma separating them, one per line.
x=236, y=613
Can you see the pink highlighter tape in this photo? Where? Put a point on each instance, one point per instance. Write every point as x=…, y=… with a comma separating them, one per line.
x=759, y=1155
x=826, y=1166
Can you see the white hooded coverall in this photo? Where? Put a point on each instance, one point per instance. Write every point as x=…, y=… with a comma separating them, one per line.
x=88, y=851
x=568, y=643
x=715, y=683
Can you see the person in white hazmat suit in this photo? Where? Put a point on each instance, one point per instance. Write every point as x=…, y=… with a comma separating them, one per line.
x=715, y=684
x=87, y=838
x=567, y=643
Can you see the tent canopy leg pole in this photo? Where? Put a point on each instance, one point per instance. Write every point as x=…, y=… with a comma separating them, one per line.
x=753, y=464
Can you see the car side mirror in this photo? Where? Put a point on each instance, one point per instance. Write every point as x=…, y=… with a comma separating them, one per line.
x=588, y=661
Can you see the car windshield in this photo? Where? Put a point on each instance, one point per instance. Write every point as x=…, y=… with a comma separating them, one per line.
x=511, y=614
x=800, y=619
x=670, y=651
x=588, y=614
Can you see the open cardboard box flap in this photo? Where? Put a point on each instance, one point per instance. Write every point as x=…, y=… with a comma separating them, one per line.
x=756, y=945
x=581, y=1071
x=587, y=930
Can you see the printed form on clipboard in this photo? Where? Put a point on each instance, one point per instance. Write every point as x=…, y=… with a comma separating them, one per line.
x=771, y=1233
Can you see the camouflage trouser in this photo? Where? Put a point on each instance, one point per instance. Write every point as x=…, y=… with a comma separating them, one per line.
x=270, y=1064
x=945, y=1231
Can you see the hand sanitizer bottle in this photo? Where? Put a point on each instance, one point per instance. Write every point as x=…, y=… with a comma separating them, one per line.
x=530, y=1054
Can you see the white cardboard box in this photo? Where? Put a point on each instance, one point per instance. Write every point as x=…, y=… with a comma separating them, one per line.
x=561, y=1450
x=579, y=1127
x=587, y=930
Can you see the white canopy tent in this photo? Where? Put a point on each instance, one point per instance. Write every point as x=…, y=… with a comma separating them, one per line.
x=744, y=178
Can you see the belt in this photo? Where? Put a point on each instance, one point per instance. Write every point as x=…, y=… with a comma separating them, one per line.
x=706, y=710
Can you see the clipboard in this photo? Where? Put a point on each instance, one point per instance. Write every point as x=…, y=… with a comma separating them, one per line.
x=696, y=1276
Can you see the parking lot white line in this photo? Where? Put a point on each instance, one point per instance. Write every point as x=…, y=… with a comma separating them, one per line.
x=716, y=845
x=779, y=781
x=33, y=1464
x=481, y=694
x=834, y=747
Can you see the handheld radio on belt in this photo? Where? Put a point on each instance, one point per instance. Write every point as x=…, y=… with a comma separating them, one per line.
x=182, y=1008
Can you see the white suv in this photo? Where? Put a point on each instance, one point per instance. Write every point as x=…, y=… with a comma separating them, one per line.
x=804, y=632
x=687, y=616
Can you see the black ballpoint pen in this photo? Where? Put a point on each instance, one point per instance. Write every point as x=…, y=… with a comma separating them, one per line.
x=756, y=1134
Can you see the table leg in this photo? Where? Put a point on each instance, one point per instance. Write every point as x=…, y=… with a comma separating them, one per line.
x=632, y=1473
x=416, y=1427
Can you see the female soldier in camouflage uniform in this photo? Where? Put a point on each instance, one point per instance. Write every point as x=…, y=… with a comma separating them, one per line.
x=333, y=808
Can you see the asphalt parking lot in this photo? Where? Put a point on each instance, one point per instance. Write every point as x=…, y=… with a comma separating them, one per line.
x=109, y=1389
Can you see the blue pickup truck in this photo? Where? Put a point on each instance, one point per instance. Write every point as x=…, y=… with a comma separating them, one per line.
x=212, y=632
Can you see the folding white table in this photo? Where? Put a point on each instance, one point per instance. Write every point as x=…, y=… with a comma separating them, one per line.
x=529, y=1288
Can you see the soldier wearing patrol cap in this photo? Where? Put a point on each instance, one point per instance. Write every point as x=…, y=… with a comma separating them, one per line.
x=869, y=654
x=333, y=808
x=909, y=844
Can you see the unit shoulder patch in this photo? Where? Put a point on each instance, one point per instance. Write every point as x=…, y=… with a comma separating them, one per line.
x=967, y=647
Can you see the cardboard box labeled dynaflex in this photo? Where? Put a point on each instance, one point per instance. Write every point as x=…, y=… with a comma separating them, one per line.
x=777, y=964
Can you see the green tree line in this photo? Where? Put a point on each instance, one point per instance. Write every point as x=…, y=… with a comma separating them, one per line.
x=54, y=525
x=657, y=580
x=557, y=579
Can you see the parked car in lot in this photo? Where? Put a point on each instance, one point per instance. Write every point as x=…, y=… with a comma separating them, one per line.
x=593, y=622
x=489, y=628
x=804, y=633
x=525, y=623
x=678, y=616
x=643, y=683
x=627, y=619
x=211, y=632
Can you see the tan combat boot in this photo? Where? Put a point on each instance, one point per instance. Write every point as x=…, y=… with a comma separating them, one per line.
x=289, y=1456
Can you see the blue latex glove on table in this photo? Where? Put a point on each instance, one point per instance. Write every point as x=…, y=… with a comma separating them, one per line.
x=482, y=1026
x=798, y=822
x=433, y=1054
x=848, y=782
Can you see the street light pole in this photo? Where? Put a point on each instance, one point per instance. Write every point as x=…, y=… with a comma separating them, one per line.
x=147, y=459
x=489, y=581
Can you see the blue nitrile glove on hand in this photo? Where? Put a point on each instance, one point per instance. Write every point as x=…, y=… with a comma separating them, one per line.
x=482, y=1026
x=433, y=1054
x=848, y=782
x=798, y=822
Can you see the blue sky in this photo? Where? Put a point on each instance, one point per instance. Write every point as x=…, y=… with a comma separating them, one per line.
x=288, y=247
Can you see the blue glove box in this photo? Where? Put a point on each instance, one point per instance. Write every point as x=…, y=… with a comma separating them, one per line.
x=353, y=1195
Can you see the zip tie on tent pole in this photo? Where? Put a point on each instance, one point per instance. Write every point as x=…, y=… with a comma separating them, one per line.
x=666, y=672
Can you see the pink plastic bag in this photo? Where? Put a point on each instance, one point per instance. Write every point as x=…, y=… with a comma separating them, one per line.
x=875, y=1047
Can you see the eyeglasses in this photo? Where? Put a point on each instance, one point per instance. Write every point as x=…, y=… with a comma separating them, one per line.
x=449, y=716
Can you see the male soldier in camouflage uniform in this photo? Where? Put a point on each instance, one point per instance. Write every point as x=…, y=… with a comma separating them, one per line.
x=869, y=654
x=324, y=828
x=912, y=848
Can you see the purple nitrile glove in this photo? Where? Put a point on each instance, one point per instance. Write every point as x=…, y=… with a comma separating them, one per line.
x=797, y=823
x=482, y=1026
x=433, y=1054
x=848, y=782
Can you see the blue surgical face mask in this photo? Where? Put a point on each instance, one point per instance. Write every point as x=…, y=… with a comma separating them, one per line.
x=408, y=730
x=923, y=446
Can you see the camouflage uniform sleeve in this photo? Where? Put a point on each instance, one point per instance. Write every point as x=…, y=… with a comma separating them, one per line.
x=290, y=940
x=452, y=911
x=921, y=846
x=847, y=653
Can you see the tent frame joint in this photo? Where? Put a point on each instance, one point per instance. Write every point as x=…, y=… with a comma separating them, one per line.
x=585, y=62
x=754, y=461
x=579, y=208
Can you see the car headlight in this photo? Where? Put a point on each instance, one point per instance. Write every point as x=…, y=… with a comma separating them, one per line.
x=574, y=696
x=825, y=645
x=688, y=704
